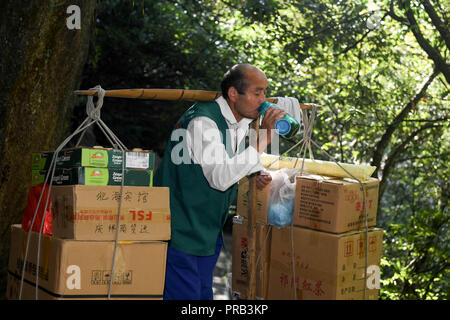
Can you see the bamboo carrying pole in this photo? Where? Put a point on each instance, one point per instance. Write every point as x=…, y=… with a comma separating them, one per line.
x=157, y=94
x=169, y=94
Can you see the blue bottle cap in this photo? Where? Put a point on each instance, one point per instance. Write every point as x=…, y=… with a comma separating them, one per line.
x=282, y=126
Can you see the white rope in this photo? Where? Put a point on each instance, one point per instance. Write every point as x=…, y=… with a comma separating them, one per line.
x=263, y=245
x=308, y=124
x=50, y=173
x=93, y=117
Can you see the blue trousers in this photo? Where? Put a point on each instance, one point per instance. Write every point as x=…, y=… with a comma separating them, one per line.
x=190, y=277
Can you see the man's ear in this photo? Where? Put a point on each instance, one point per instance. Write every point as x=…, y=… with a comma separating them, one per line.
x=232, y=94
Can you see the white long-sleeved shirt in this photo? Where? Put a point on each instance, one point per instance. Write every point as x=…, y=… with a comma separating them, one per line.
x=205, y=145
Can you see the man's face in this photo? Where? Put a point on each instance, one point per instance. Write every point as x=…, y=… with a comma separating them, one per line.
x=246, y=105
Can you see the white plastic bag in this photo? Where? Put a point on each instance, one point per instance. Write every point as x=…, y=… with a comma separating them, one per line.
x=282, y=195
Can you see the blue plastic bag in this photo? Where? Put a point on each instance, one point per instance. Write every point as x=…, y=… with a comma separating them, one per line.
x=282, y=195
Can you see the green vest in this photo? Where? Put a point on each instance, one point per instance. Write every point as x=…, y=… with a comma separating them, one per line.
x=198, y=212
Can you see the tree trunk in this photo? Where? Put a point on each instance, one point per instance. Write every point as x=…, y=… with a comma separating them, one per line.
x=41, y=61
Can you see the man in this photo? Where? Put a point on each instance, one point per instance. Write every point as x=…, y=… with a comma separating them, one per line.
x=204, y=160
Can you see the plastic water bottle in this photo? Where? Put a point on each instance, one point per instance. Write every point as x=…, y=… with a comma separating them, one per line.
x=287, y=126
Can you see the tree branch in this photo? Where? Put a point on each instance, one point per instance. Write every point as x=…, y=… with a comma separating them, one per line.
x=432, y=52
x=394, y=125
x=393, y=155
x=394, y=16
x=440, y=25
x=360, y=40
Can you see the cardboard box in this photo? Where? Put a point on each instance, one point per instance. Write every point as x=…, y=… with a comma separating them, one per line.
x=262, y=201
x=334, y=205
x=94, y=157
x=70, y=269
x=95, y=176
x=91, y=212
x=327, y=266
x=240, y=259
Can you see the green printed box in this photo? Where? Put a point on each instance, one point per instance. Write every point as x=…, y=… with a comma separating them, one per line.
x=95, y=176
x=94, y=157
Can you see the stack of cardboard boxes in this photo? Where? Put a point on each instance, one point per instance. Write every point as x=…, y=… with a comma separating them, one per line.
x=76, y=260
x=326, y=245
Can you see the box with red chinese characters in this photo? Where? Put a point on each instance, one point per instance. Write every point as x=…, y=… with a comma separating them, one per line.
x=241, y=255
x=327, y=266
x=334, y=204
x=91, y=212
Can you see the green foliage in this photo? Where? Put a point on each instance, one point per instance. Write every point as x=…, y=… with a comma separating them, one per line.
x=152, y=44
x=358, y=59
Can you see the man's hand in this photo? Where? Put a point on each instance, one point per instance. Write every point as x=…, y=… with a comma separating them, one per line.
x=262, y=180
x=271, y=116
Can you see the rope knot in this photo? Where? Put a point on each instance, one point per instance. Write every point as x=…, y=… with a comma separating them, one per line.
x=92, y=111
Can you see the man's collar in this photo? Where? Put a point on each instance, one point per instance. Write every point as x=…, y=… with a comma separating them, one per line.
x=228, y=114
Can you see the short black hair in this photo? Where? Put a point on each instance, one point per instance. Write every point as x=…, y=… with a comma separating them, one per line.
x=235, y=77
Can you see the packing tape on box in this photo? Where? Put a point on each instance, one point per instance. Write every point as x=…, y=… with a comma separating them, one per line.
x=120, y=259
